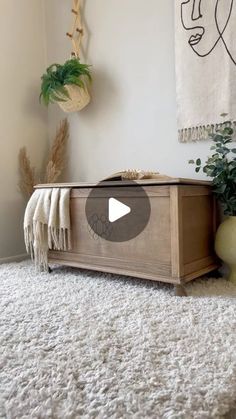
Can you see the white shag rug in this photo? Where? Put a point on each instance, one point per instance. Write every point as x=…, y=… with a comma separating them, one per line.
x=77, y=344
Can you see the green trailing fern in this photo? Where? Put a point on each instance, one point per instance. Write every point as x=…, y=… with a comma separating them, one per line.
x=221, y=167
x=58, y=76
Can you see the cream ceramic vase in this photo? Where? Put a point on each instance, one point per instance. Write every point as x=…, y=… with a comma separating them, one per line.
x=225, y=245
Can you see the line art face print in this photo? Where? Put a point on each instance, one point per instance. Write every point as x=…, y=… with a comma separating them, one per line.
x=207, y=22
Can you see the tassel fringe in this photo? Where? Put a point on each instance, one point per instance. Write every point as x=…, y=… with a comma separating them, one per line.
x=47, y=238
x=202, y=132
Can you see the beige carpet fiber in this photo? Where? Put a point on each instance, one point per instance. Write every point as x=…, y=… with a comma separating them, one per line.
x=76, y=344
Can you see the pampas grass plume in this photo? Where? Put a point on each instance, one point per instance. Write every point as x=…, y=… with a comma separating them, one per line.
x=27, y=174
x=55, y=165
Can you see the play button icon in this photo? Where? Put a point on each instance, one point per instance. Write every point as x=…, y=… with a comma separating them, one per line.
x=117, y=210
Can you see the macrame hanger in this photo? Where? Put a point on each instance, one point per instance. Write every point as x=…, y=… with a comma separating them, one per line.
x=77, y=31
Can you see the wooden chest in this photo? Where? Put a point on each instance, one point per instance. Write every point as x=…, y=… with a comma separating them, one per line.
x=176, y=246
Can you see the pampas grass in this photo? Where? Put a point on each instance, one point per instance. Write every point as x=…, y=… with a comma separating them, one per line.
x=27, y=173
x=54, y=167
x=56, y=159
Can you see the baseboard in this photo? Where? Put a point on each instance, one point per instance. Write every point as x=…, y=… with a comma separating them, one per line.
x=17, y=258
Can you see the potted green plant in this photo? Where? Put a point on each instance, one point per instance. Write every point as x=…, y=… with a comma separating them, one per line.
x=67, y=85
x=221, y=167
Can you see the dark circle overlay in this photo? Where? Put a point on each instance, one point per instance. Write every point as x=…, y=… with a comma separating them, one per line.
x=125, y=228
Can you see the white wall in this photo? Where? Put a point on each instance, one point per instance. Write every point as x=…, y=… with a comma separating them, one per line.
x=23, y=122
x=132, y=120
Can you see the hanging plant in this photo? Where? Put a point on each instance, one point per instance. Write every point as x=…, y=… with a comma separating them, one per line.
x=67, y=84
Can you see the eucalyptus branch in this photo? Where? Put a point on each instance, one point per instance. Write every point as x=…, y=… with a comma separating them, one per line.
x=221, y=167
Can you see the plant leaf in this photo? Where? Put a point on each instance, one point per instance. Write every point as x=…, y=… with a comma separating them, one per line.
x=57, y=76
x=198, y=162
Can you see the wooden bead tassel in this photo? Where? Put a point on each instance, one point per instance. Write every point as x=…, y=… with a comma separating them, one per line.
x=77, y=31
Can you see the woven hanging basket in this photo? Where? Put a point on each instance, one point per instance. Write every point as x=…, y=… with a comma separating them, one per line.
x=79, y=98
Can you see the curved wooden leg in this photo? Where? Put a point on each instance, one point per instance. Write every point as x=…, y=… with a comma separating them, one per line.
x=180, y=291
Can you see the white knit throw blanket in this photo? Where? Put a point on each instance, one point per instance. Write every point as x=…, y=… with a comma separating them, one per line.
x=47, y=223
x=205, y=66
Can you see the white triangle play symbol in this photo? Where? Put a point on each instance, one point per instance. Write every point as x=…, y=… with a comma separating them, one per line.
x=117, y=210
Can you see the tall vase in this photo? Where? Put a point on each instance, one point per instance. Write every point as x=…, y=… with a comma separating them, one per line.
x=225, y=245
